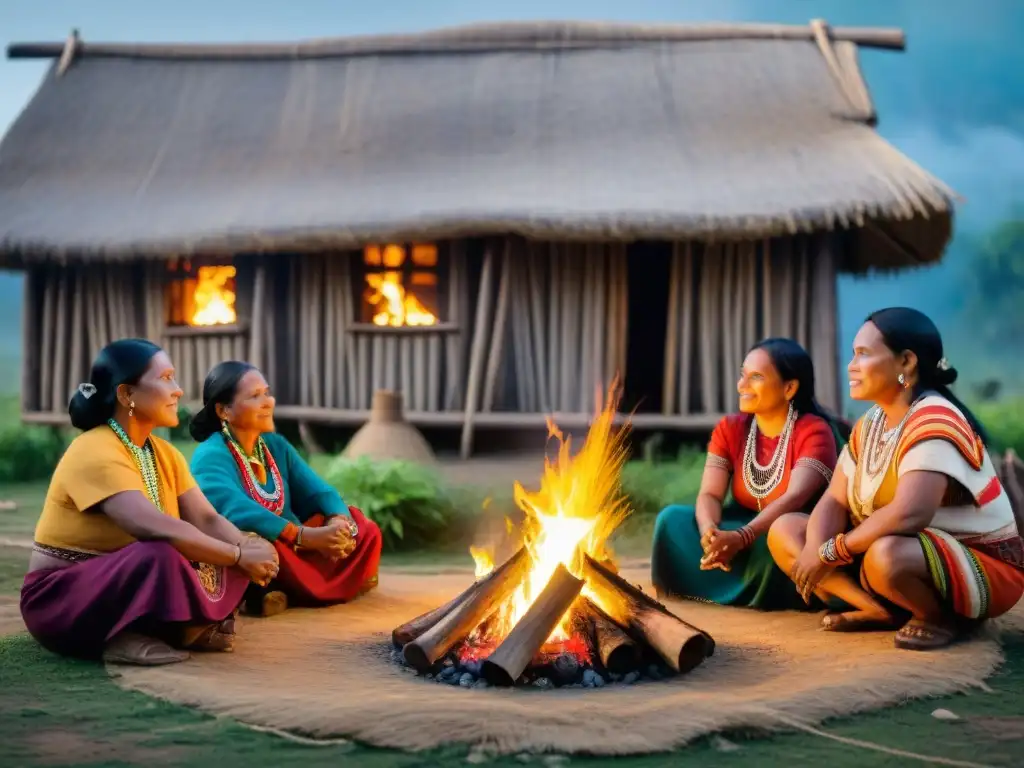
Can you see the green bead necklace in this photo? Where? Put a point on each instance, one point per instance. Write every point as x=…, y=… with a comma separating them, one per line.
x=145, y=460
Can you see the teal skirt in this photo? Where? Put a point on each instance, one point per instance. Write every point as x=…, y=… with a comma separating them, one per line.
x=754, y=581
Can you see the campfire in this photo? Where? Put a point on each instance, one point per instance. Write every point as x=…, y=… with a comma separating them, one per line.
x=214, y=296
x=392, y=282
x=556, y=612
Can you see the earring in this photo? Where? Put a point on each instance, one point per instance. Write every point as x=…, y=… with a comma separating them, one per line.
x=902, y=380
x=131, y=410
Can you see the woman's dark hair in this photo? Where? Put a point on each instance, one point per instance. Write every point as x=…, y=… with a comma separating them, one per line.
x=794, y=364
x=120, y=362
x=218, y=389
x=908, y=330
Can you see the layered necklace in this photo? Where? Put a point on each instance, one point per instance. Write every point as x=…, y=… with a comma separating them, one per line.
x=145, y=460
x=760, y=480
x=272, y=500
x=875, y=456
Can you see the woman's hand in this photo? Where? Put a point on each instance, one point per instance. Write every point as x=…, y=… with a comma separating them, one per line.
x=258, y=560
x=719, y=549
x=808, y=572
x=333, y=539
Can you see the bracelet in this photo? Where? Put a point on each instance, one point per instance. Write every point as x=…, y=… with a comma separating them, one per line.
x=238, y=557
x=835, y=552
x=747, y=534
x=298, y=538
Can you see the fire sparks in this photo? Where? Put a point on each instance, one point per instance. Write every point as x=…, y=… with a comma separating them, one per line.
x=393, y=305
x=577, y=507
x=214, y=297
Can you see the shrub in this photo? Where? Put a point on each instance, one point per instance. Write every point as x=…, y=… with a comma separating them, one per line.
x=652, y=485
x=413, y=508
x=1004, y=422
x=29, y=453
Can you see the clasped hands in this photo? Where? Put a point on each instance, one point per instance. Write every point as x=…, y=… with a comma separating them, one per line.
x=808, y=571
x=719, y=548
x=336, y=539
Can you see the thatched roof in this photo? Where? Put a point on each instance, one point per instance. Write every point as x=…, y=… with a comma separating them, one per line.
x=548, y=130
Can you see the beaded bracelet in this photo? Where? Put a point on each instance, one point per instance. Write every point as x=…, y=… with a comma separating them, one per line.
x=298, y=538
x=835, y=552
x=238, y=557
x=747, y=535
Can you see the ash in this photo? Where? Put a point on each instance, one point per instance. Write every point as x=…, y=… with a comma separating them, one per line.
x=565, y=671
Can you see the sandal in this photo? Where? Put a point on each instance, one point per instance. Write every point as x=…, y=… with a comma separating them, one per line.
x=141, y=651
x=858, y=621
x=918, y=635
x=209, y=638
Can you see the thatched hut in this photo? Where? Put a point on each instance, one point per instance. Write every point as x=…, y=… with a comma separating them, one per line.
x=493, y=219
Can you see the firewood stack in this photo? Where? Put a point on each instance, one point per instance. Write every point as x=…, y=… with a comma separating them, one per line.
x=623, y=628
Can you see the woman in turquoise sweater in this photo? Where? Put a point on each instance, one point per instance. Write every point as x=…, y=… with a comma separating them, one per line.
x=329, y=552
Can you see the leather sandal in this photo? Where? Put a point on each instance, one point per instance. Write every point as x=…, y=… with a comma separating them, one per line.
x=856, y=621
x=141, y=651
x=918, y=635
x=208, y=639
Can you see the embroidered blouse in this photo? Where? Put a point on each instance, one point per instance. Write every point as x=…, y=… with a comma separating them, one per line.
x=305, y=493
x=812, y=445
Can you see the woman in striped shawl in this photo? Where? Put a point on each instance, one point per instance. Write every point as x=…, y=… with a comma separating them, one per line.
x=915, y=523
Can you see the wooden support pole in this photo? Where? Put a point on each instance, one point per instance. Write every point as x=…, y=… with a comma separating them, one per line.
x=476, y=355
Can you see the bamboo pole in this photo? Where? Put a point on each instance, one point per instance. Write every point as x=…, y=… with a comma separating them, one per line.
x=686, y=351
x=498, y=335
x=567, y=328
x=588, y=380
x=46, y=350
x=59, y=384
x=538, y=349
x=554, y=314
x=668, y=390
x=30, y=346
x=476, y=359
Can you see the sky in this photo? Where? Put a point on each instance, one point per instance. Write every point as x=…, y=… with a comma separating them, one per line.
x=953, y=101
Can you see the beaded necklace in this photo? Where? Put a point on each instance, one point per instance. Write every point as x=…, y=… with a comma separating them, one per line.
x=272, y=500
x=760, y=480
x=145, y=460
x=875, y=457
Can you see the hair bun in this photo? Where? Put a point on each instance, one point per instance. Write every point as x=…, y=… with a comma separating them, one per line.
x=946, y=376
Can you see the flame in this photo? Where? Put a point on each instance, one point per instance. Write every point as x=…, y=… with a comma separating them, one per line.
x=578, y=506
x=392, y=305
x=213, y=299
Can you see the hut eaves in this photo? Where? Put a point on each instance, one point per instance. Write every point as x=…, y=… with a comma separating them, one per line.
x=547, y=130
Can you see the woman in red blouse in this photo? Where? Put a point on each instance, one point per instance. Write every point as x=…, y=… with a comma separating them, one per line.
x=776, y=456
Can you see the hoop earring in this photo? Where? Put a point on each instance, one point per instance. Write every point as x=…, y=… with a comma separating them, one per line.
x=131, y=410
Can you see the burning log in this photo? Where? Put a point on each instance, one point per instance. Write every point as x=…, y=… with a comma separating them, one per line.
x=681, y=645
x=511, y=658
x=619, y=653
x=471, y=608
x=411, y=630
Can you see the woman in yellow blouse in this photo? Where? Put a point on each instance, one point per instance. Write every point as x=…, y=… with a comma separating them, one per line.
x=130, y=561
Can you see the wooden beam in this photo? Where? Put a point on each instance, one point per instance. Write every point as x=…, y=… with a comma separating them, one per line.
x=507, y=36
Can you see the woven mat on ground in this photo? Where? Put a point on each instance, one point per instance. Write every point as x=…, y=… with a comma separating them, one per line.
x=327, y=672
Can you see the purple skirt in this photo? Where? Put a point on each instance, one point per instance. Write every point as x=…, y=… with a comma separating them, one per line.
x=147, y=587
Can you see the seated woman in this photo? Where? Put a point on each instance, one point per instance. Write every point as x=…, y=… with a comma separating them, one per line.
x=329, y=552
x=778, y=453
x=914, y=506
x=115, y=567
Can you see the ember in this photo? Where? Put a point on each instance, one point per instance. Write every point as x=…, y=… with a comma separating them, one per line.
x=556, y=613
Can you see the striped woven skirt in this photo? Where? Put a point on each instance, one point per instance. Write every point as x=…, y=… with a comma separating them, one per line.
x=977, y=579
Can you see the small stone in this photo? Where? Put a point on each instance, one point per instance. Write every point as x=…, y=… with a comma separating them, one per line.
x=467, y=680
x=588, y=677
x=566, y=668
x=543, y=683
x=481, y=683
x=429, y=676
x=599, y=681
x=653, y=672
x=454, y=680
x=945, y=714
x=473, y=667
x=629, y=678
x=722, y=744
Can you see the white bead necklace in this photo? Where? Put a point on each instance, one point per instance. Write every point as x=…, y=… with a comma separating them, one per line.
x=760, y=480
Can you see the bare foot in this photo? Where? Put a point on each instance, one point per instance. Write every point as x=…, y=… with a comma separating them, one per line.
x=209, y=638
x=142, y=651
x=858, y=621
